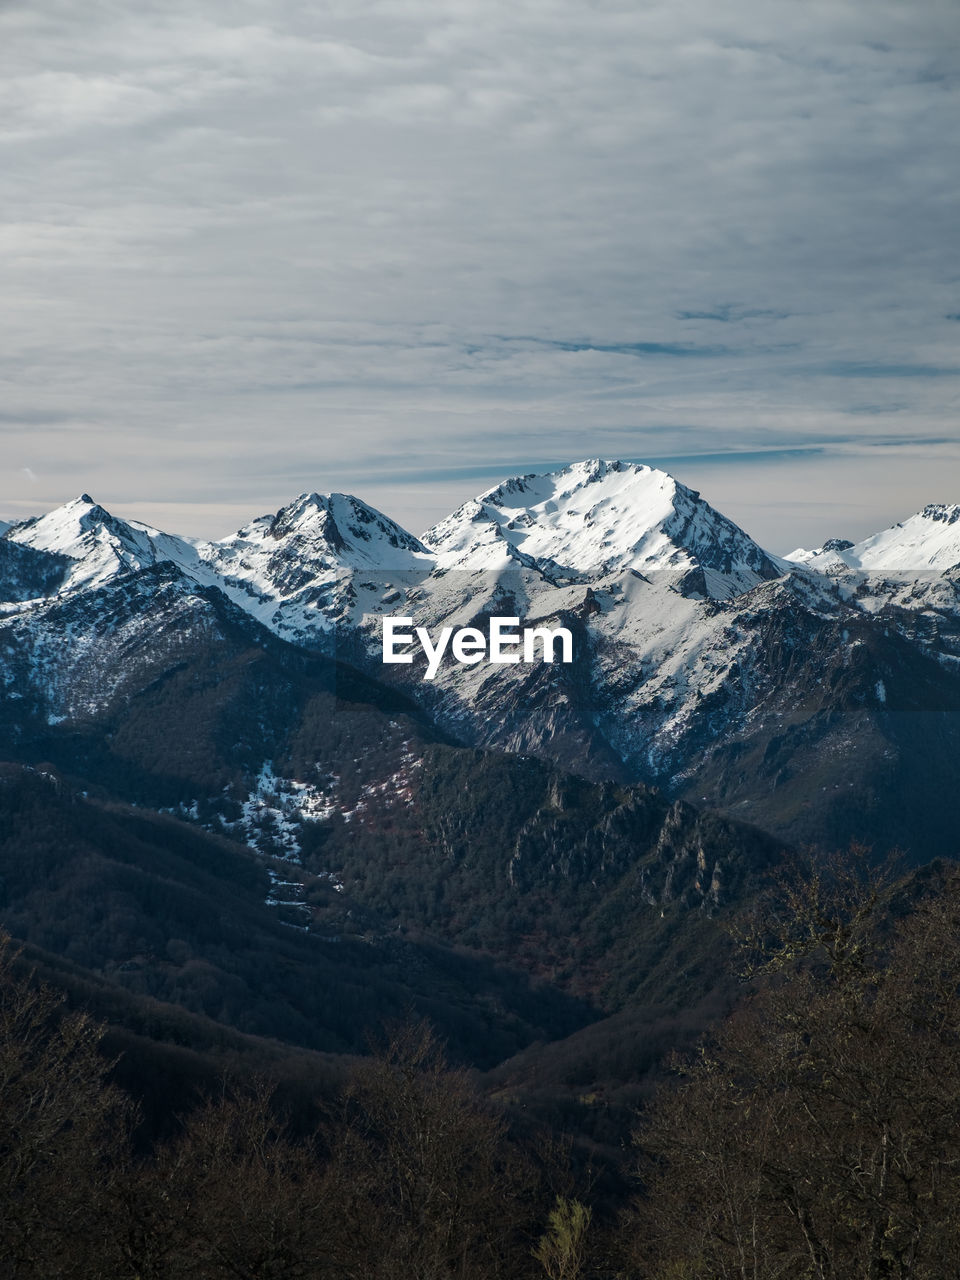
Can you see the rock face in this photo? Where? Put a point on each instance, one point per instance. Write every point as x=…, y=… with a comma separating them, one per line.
x=295, y=571
x=27, y=574
x=595, y=519
x=818, y=695
x=928, y=542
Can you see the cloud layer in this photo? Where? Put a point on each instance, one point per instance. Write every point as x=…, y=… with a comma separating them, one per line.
x=253, y=248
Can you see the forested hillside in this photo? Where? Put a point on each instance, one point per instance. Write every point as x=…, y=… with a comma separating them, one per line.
x=815, y=1135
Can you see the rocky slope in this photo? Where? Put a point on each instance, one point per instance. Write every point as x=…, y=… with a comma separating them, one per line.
x=595, y=519
x=929, y=542
x=816, y=694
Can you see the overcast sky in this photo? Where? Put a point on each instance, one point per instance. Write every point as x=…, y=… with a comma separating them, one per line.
x=407, y=248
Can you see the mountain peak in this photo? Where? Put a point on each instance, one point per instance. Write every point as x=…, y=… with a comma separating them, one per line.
x=928, y=542
x=101, y=545
x=945, y=513
x=63, y=529
x=340, y=525
x=306, y=506
x=292, y=569
x=594, y=518
x=602, y=472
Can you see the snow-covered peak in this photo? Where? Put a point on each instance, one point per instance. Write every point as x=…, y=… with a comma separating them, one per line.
x=594, y=518
x=62, y=530
x=334, y=529
x=294, y=570
x=928, y=542
x=101, y=545
x=829, y=556
x=4, y=526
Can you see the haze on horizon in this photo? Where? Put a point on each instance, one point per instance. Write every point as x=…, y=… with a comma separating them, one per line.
x=408, y=249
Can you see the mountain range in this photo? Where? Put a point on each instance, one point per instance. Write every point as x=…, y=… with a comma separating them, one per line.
x=815, y=695
x=228, y=827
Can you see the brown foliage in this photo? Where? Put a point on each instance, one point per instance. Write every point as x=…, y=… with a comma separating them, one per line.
x=60, y=1126
x=413, y=1176
x=252, y=1198
x=820, y=1136
x=423, y=1180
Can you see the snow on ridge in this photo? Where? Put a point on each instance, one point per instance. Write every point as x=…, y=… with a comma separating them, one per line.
x=326, y=560
x=294, y=570
x=595, y=517
x=290, y=559
x=927, y=542
x=347, y=529
x=101, y=545
x=64, y=530
x=300, y=571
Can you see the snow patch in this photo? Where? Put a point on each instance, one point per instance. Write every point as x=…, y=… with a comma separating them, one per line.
x=274, y=811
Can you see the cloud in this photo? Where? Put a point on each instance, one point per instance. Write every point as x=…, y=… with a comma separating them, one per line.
x=247, y=245
x=862, y=369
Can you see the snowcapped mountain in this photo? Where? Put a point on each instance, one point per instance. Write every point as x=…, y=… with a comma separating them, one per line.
x=929, y=542
x=818, y=699
x=596, y=518
x=694, y=648
x=99, y=546
x=914, y=567
x=829, y=556
x=68, y=658
x=330, y=531
x=295, y=571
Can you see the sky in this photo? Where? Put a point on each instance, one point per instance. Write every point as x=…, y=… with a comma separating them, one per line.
x=407, y=248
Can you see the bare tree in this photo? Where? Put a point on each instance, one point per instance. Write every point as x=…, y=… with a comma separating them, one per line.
x=60, y=1123
x=821, y=1134
x=561, y=1249
x=253, y=1202
x=422, y=1177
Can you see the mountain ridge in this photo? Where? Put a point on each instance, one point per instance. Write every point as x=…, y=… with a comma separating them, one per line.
x=592, y=519
x=570, y=836
x=926, y=542
x=662, y=522
x=693, y=648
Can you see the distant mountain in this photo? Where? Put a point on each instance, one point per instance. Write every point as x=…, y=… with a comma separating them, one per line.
x=163, y=738
x=928, y=542
x=801, y=693
x=295, y=571
x=594, y=519
x=98, y=546
x=219, y=800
